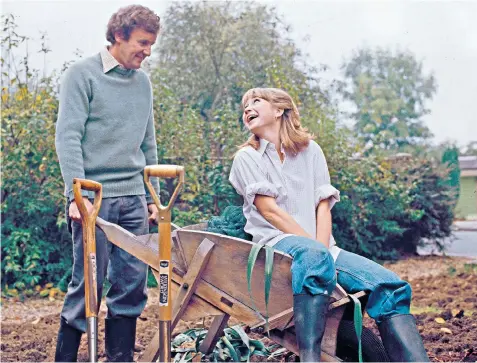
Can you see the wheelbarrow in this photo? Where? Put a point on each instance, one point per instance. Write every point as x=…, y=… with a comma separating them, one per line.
x=209, y=278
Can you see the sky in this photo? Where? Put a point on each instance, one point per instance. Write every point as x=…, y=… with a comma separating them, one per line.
x=441, y=34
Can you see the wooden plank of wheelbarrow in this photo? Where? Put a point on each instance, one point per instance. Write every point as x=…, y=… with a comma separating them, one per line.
x=196, y=308
x=191, y=279
x=279, y=321
x=227, y=270
x=337, y=294
x=224, y=302
x=215, y=332
x=346, y=300
x=178, y=252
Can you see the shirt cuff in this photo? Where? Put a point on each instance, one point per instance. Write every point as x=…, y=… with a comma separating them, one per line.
x=327, y=191
x=262, y=188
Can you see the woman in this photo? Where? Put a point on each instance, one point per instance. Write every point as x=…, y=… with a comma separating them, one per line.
x=284, y=180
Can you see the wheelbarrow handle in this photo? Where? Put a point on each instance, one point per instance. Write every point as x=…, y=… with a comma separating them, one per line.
x=164, y=171
x=85, y=184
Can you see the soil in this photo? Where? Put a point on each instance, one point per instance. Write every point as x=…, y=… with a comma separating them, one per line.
x=444, y=303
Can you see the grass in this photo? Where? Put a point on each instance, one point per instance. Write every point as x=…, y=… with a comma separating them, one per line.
x=415, y=310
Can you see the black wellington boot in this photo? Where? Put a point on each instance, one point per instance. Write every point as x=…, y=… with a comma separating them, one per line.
x=402, y=340
x=310, y=321
x=120, y=339
x=67, y=343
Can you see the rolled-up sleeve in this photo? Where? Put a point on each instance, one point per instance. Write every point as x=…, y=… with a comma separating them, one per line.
x=323, y=188
x=249, y=179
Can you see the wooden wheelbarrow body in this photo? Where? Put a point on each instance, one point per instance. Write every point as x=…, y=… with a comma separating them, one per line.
x=210, y=279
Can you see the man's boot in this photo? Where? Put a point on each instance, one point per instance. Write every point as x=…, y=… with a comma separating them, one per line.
x=67, y=343
x=310, y=321
x=120, y=339
x=402, y=340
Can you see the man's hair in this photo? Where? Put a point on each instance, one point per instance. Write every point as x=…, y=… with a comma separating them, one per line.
x=293, y=135
x=128, y=18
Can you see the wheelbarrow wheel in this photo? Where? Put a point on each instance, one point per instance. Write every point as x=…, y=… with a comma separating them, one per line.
x=347, y=344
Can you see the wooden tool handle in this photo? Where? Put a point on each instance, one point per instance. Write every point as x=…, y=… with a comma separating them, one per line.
x=89, y=241
x=85, y=184
x=164, y=171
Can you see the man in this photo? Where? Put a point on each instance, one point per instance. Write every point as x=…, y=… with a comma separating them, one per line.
x=105, y=132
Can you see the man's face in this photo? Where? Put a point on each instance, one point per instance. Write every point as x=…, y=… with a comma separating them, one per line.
x=134, y=50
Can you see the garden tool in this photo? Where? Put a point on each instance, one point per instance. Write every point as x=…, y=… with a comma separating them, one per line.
x=89, y=253
x=165, y=265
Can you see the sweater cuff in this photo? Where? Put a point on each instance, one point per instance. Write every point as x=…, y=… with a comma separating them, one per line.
x=85, y=193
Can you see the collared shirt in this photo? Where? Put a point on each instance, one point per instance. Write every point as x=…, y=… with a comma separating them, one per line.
x=109, y=62
x=298, y=184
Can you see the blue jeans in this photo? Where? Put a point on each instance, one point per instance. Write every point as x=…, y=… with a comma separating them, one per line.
x=314, y=272
x=127, y=295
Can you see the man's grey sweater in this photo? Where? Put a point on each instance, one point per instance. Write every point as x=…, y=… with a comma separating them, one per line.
x=105, y=128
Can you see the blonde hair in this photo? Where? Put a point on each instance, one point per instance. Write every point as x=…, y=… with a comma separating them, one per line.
x=293, y=135
x=128, y=18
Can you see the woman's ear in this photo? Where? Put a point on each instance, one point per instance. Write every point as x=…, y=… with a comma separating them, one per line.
x=279, y=112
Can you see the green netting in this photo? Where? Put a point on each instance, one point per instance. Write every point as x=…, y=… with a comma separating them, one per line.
x=231, y=223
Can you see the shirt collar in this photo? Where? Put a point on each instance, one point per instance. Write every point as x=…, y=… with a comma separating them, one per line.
x=109, y=62
x=265, y=143
x=263, y=146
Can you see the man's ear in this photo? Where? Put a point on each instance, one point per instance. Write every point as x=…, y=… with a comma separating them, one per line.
x=118, y=37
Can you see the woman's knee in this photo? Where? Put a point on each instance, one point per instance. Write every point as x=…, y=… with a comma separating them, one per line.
x=389, y=299
x=317, y=271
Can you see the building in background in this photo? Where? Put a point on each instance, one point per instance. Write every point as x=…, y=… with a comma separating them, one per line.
x=467, y=204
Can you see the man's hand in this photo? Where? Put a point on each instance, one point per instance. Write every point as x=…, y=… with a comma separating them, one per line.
x=73, y=211
x=154, y=213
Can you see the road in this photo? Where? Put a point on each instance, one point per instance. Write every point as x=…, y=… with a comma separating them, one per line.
x=464, y=244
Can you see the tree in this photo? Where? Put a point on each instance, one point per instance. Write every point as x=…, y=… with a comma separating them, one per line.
x=470, y=149
x=208, y=55
x=389, y=92
x=213, y=52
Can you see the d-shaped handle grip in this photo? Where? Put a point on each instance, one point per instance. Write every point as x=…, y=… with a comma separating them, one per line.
x=164, y=171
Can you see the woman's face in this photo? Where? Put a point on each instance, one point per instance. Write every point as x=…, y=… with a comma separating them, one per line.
x=259, y=115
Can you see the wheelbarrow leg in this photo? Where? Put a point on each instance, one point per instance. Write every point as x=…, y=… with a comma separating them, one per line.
x=216, y=330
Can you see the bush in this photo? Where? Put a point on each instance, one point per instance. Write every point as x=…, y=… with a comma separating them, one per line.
x=387, y=209
x=36, y=247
